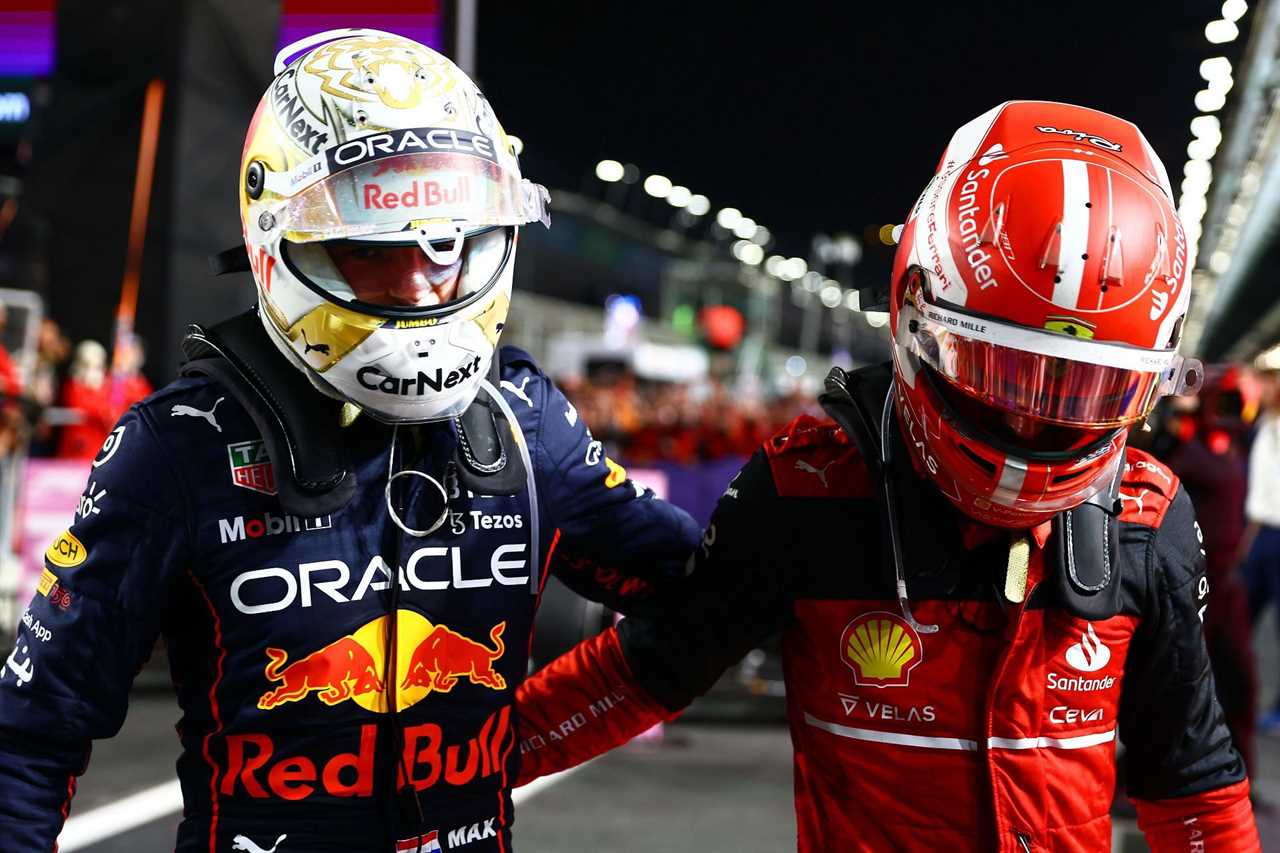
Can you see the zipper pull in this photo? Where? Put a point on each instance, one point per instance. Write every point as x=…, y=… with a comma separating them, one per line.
x=1025, y=841
x=1015, y=576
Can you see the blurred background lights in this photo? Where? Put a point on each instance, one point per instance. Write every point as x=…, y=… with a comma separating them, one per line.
x=679, y=196
x=796, y=366
x=1221, y=32
x=761, y=237
x=831, y=294
x=657, y=186
x=610, y=171
x=1208, y=101
x=517, y=144
x=745, y=228
x=1233, y=10
x=751, y=254
x=728, y=217
x=698, y=205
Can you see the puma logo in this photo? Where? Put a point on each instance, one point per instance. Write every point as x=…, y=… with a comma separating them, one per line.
x=821, y=473
x=190, y=411
x=1135, y=498
x=240, y=842
x=323, y=349
x=518, y=392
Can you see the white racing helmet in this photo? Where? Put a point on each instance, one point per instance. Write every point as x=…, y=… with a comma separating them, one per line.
x=380, y=201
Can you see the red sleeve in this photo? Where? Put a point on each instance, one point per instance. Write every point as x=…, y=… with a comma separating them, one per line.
x=1218, y=821
x=583, y=704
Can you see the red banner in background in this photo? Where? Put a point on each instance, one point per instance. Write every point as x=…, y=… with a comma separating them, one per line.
x=420, y=20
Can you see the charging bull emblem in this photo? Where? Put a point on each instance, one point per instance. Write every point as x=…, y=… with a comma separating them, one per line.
x=338, y=671
x=445, y=656
x=430, y=658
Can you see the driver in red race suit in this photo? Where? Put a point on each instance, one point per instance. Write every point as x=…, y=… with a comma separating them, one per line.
x=980, y=589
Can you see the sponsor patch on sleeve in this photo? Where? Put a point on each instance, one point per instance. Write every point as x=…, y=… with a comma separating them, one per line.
x=47, y=580
x=66, y=551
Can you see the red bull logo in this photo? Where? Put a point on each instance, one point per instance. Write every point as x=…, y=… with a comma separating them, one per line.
x=429, y=658
x=254, y=768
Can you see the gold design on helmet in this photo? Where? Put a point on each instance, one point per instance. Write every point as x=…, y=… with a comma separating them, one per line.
x=494, y=317
x=328, y=332
x=356, y=70
x=880, y=648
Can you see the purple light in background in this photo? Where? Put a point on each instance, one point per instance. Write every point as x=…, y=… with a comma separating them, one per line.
x=27, y=38
x=413, y=19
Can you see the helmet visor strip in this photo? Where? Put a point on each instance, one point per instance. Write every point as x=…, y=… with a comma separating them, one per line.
x=381, y=195
x=403, y=274
x=1046, y=375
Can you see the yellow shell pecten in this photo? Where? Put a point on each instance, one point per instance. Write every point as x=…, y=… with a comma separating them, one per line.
x=880, y=648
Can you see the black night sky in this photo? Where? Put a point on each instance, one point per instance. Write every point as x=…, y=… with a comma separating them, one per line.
x=821, y=116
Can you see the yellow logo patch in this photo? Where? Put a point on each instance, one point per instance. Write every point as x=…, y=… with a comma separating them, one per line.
x=617, y=474
x=47, y=580
x=66, y=551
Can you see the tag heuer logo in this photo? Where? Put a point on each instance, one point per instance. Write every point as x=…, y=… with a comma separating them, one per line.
x=251, y=467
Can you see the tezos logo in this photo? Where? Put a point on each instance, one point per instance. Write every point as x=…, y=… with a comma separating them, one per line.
x=1090, y=654
x=371, y=377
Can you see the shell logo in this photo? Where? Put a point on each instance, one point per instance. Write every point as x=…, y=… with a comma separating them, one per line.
x=881, y=649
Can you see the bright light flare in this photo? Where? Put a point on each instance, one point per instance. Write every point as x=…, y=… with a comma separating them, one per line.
x=658, y=186
x=610, y=171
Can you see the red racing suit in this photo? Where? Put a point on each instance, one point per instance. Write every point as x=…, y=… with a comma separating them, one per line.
x=998, y=731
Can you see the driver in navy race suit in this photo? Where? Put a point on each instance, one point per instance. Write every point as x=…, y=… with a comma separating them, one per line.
x=341, y=517
x=978, y=585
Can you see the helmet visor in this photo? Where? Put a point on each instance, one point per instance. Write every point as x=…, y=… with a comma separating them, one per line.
x=333, y=197
x=1045, y=375
x=402, y=275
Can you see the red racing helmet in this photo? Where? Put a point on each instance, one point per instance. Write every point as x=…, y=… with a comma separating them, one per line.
x=1038, y=296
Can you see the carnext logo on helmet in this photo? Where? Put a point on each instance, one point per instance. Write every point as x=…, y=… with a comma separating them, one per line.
x=407, y=141
x=371, y=377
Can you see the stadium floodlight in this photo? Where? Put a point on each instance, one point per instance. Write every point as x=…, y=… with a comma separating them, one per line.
x=1208, y=101
x=657, y=186
x=610, y=171
x=1221, y=31
x=1233, y=10
x=728, y=217
x=1201, y=149
x=1215, y=68
x=751, y=255
x=1206, y=127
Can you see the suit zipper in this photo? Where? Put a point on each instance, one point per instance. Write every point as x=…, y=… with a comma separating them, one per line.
x=1022, y=838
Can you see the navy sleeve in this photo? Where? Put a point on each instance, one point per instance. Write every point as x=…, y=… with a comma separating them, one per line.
x=99, y=606
x=612, y=540
x=1176, y=740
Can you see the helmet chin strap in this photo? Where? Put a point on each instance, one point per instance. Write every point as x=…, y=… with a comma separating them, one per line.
x=891, y=507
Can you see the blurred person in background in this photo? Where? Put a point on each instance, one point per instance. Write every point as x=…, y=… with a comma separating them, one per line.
x=128, y=384
x=12, y=424
x=1261, y=541
x=87, y=393
x=52, y=351
x=1203, y=440
x=978, y=584
x=342, y=516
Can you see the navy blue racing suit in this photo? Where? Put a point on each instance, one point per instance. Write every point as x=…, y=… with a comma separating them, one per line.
x=301, y=720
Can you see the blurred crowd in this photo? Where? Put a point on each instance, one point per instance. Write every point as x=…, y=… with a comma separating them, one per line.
x=645, y=423
x=72, y=397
